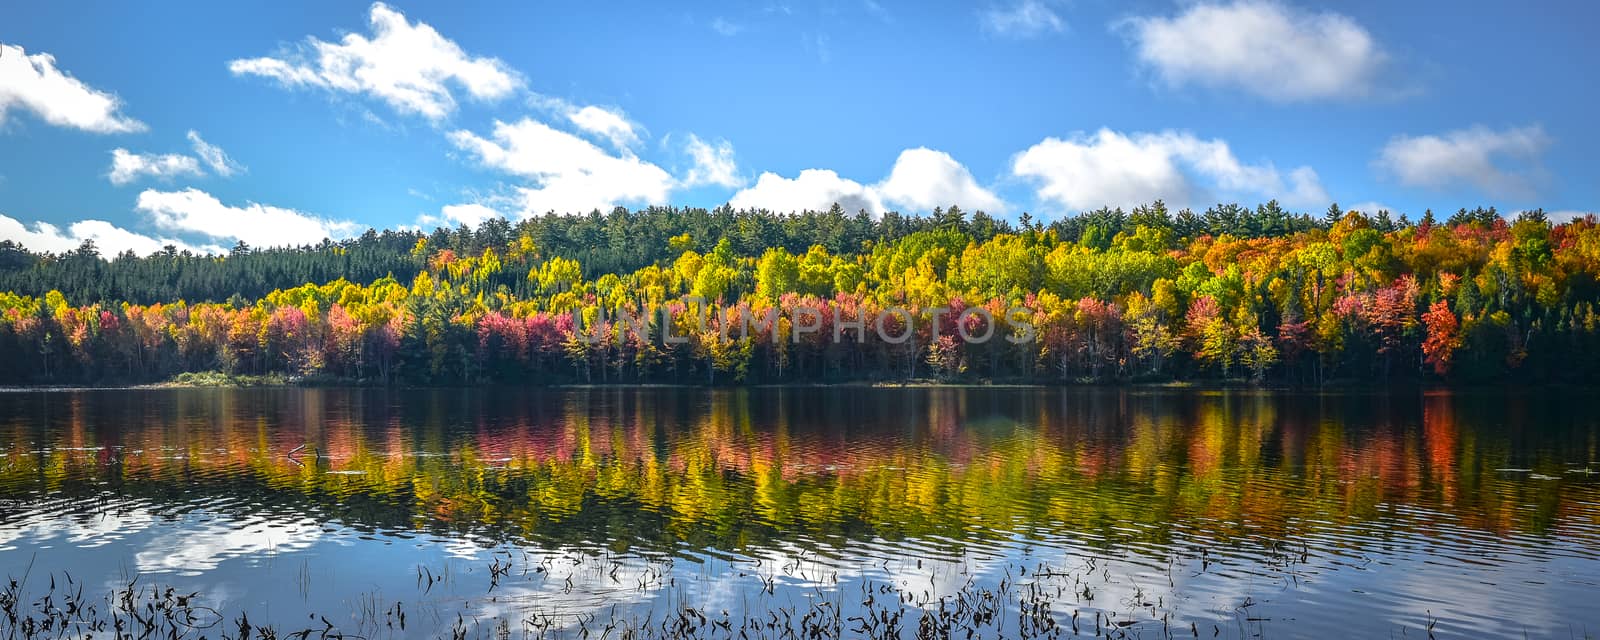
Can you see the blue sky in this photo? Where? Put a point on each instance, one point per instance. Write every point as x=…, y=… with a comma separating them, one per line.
x=205, y=124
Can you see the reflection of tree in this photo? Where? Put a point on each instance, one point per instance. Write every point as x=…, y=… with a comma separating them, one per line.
x=1439, y=431
x=730, y=469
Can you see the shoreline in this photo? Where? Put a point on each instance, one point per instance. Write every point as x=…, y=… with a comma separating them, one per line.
x=279, y=383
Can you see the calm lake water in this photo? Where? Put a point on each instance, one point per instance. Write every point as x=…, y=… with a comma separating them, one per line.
x=1143, y=513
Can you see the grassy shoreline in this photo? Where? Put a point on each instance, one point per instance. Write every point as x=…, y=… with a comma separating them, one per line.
x=221, y=380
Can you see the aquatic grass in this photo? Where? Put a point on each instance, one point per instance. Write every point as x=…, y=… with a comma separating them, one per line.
x=223, y=379
x=1029, y=601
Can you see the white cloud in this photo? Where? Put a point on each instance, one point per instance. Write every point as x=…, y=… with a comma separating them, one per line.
x=920, y=180
x=34, y=83
x=1261, y=46
x=1113, y=169
x=1372, y=208
x=1025, y=19
x=713, y=164
x=603, y=123
x=923, y=178
x=571, y=175
x=471, y=214
x=1305, y=189
x=407, y=65
x=213, y=156
x=198, y=212
x=725, y=28
x=606, y=123
x=813, y=189
x=1568, y=215
x=127, y=167
x=108, y=238
x=572, y=170
x=1500, y=163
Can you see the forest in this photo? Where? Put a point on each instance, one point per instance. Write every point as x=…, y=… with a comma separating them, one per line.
x=1232, y=294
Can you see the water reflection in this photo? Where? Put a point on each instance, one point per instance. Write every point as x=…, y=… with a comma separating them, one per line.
x=915, y=486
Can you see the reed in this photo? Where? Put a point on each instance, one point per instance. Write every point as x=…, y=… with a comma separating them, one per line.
x=1038, y=601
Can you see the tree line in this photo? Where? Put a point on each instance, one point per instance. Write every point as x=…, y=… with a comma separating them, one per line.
x=1234, y=293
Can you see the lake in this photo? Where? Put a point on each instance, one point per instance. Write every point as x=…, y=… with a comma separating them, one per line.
x=831, y=512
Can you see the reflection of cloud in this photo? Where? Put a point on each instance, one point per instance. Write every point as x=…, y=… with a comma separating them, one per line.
x=202, y=546
x=462, y=549
x=82, y=532
x=575, y=584
x=1460, y=578
x=569, y=583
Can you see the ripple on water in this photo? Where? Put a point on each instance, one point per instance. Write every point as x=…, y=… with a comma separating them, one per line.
x=1237, y=512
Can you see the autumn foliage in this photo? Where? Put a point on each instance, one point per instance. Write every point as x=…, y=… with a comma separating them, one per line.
x=1108, y=297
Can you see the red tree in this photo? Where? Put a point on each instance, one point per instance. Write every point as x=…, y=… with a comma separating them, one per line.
x=1443, y=337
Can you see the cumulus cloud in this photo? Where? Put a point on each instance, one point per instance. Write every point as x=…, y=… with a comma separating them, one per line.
x=213, y=156
x=1500, y=163
x=471, y=214
x=578, y=158
x=569, y=174
x=1372, y=208
x=606, y=123
x=108, y=238
x=33, y=83
x=408, y=65
x=813, y=189
x=1024, y=19
x=1568, y=215
x=1305, y=188
x=713, y=164
x=1119, y=170
x=923, y=178
x=1261, y=46
x=196, y=212
x=920, y=180
x=127, y=166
